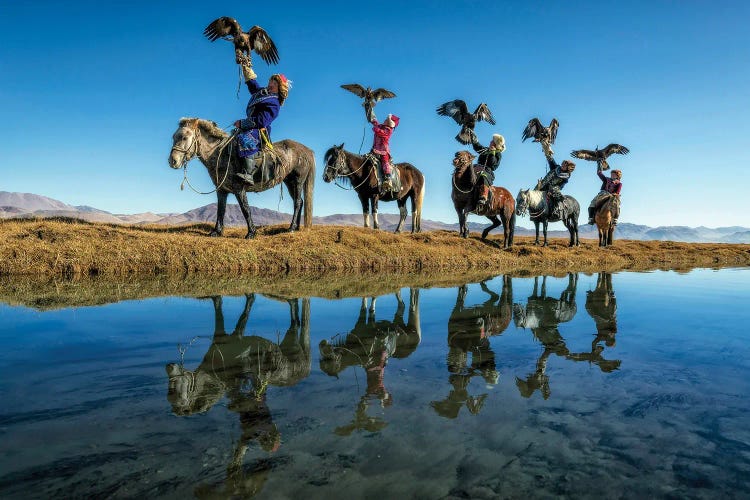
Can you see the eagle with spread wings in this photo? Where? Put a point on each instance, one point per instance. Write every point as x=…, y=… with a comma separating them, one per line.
x=256, y=39
x=600, y=155
x=459, y=111
x=539, y=132
x=369, y=96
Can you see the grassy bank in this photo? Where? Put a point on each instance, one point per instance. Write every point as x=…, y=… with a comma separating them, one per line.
x=70, y=248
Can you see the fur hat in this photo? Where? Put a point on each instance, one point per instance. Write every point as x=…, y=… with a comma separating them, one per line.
x=391, y=121
x=499, y=142
x=568, y=166
x=284, y=85
x=617, y=174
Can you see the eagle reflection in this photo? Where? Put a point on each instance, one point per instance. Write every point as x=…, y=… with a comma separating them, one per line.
x=469, y=330
x=242, y=367
x=370, y=344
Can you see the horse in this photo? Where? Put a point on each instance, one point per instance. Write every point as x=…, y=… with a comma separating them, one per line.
x=464, y=198
x=606, y=211
x=295, y=164
x=362, y=173
x=534, y=201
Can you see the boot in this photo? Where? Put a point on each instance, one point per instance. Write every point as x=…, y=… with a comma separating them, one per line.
x=248, y=171
x=591, y=215
x=614, y=221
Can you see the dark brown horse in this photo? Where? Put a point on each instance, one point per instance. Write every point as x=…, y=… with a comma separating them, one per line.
x=362, y=173
x=606, y=211
x=295, y=165
x=464, y=196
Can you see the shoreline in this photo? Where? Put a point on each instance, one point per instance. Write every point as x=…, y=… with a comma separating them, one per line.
x=69, y=248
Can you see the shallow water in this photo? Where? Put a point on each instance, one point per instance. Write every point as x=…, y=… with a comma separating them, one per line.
x=601, y=386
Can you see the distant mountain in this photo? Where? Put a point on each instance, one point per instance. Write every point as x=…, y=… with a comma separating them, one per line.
x=14, y=205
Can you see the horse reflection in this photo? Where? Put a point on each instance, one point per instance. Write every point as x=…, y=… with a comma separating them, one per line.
x=242, y=367
x=469, y=329
x=542, y=315
x=601, y=305
x=370, y=344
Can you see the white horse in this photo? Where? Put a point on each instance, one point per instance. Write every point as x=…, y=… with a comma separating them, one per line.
x=534, y=202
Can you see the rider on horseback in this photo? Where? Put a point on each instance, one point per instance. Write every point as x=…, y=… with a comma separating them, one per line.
x=380, y=146
x=610, y=186
x=555, y=180
x=488, y=161
x=262, y=109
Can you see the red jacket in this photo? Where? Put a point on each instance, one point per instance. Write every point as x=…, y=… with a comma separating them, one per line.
x=382, y=136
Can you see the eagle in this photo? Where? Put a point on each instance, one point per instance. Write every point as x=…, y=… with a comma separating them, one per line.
x=256, y=39
x=600, y=155
x=370, y=97
x=539, y=132
x=458, y=110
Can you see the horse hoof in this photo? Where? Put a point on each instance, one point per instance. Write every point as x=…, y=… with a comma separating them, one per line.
x=250, y=236
x=293, y=229
x=214, y=234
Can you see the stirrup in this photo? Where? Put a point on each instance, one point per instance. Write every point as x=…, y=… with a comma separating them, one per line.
x=247, y=178
x=591, y=220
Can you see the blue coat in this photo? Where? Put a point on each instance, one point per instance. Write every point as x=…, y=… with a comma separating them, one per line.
x=262, y=109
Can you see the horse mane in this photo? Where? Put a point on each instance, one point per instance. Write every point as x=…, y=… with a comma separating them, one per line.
x=207, y=126
x=535, y=197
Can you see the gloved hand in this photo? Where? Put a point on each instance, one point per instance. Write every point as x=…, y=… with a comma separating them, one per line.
x=247, y=71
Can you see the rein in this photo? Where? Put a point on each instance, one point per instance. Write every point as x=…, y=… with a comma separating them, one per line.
x=453, y=177
x=367, y=177
x=228, y=141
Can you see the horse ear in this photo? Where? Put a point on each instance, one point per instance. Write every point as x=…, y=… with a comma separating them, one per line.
x=341, y=147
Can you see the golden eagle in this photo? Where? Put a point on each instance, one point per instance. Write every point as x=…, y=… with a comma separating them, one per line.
x=370, y=97
x=459, y=111
x=600, y=155
x=539, y=132
x=256, y=39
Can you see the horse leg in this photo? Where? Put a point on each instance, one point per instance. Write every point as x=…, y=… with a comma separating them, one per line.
x=374, y=203
x=495, y=222
x=245, y=207
x=221, y=208
x=545, y=222
x=365, y=209
x=416, y=208
x=402, y=213
x=575, y=228
x=611, y=234
x=570, y=224
x=294, y=186
x=462, y=229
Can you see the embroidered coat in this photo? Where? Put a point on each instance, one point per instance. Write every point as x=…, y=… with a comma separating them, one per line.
x=382, y=137
x=608, y=184
x=262, y=109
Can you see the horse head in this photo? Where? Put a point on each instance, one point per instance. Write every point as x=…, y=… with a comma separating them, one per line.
x=522, y=202
x=192, y=392
x=335, y=163
x=184, y=143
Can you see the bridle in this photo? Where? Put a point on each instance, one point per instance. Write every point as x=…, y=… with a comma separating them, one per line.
x=340, y=163
x=187, y=153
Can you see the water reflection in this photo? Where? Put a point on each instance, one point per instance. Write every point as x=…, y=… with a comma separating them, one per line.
x=242, y=368
x=369, y=345
x=469, y=330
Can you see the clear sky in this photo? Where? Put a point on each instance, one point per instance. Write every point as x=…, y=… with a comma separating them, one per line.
x=90, y=94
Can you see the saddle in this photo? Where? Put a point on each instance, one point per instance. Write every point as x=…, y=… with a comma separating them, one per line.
x=270, y=168
x=395, y=176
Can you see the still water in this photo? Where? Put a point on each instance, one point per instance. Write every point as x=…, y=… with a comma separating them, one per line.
x=601, y=386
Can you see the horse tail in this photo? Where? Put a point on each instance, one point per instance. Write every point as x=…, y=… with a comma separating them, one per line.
x=418, y=199
x=309, y=185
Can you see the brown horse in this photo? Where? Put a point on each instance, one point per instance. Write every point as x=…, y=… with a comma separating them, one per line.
x=295, y=166
x=464, y=196
x=606, y=211
x=362, y=173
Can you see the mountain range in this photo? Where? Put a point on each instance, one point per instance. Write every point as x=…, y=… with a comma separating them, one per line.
x=25, y=205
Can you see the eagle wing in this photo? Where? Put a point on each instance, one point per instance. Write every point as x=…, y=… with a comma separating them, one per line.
x=585, y=154
x=263, y=45
x=553, y=126
x=355, y=88
x=456, y=109
x=380, y=94
x=615, y=149
x=483, y=113
x=221, y=28
x=533, y=129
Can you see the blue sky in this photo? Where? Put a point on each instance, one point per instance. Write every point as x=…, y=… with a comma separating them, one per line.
x=90, y=95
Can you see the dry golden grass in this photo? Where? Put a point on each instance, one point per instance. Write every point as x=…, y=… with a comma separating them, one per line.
x=69, y=248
